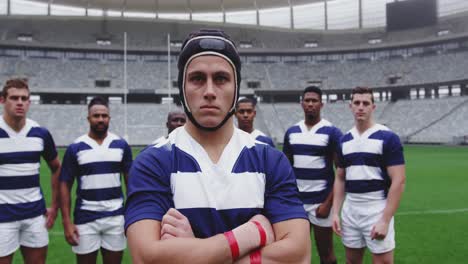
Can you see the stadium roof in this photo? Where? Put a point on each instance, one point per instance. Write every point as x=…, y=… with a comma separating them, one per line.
x=293, y=14
x=174, y=6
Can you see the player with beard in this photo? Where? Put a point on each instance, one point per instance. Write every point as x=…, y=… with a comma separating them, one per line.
x=96, y=160
x=311, y=145
x=211, y=193
x=245, y=114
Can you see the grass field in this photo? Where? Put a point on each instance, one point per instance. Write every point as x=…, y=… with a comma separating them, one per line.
x=431, y=223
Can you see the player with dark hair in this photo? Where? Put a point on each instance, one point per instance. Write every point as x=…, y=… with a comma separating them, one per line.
x=24, y=218
x=245, y=114
x=211, y=194
x=96, y=160
x=311, y=146
x=370, y=179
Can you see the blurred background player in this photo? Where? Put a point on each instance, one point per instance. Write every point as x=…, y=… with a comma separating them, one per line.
x=24, y=219
x=370, y=178
x=175, y=119
x=96, y=160
x=245, y=114
x=191, y=199
x=311, y=147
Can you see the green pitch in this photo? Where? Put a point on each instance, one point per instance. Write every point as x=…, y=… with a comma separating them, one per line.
x=431, y=223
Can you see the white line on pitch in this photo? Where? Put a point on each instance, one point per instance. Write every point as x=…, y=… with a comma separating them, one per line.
x=447, y=211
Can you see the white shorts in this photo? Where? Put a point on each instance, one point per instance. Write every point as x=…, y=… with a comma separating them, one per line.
x=357, y=220
x=323, y=222
x=31, y=232
x=105, y=232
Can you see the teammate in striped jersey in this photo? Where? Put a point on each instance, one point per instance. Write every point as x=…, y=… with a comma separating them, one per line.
x=370, y=179
x=245, y=114
x=191, y=199
x=311, y=147
x=24, y=219
x=96, y=160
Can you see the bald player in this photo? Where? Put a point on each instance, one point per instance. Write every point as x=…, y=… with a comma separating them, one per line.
x=175, y=119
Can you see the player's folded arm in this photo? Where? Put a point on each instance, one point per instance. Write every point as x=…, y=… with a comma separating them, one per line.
x=285, y=211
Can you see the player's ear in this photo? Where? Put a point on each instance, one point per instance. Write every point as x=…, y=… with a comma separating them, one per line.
x=2, y=99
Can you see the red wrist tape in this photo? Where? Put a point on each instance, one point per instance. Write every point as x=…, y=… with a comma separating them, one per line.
x=262, y=233
x=232, y=244
x=256, y=257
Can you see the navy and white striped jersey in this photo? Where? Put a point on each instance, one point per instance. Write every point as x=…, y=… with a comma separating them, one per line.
x=366, y=158
x=97, y=169
x=260, y=136
x=312, y=151
x=20, y=154
x=248, y=179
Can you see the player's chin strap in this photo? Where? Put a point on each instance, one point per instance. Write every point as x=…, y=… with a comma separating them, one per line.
x=187, y=110
x=192, y=119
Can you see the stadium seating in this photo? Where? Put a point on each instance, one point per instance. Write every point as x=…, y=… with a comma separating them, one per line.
x=47, y=74
x=146, y=122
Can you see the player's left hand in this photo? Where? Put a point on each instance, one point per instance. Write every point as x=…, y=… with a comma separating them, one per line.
x=175, y=224
x=323, y=211
x=379, y=230
x=51, y=215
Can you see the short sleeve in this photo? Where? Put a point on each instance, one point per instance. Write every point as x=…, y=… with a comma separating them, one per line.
x=69, y=166
x=50, y=152
x=282, y=200
x=341, y=163
x=270, y=142
x=393, y=151
x=286, y=145
x=149, y=189
x=335, y=137
x=127, y=158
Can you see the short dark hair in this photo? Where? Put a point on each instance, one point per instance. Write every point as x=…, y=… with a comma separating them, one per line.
x=312, y=89
x=362, y=90
x=18, y=83
x=246, y=100
x=98, y=100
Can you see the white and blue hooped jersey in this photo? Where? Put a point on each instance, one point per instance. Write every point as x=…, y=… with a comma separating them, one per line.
x=20, y=155
x=248, y=179
x=97, y=169
x=366, y=158
x=260, y=136
x=312, y=151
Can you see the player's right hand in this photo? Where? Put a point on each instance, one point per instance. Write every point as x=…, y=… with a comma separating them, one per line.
x=175, y=224
x=336, y=225
x=71, y=234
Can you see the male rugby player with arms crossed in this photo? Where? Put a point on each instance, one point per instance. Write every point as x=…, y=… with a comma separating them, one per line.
x=209, y=193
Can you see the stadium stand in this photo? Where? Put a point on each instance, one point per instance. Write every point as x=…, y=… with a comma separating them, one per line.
x=447, y=128
x=46, y=74
x=146, y=122
x=63, y=57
